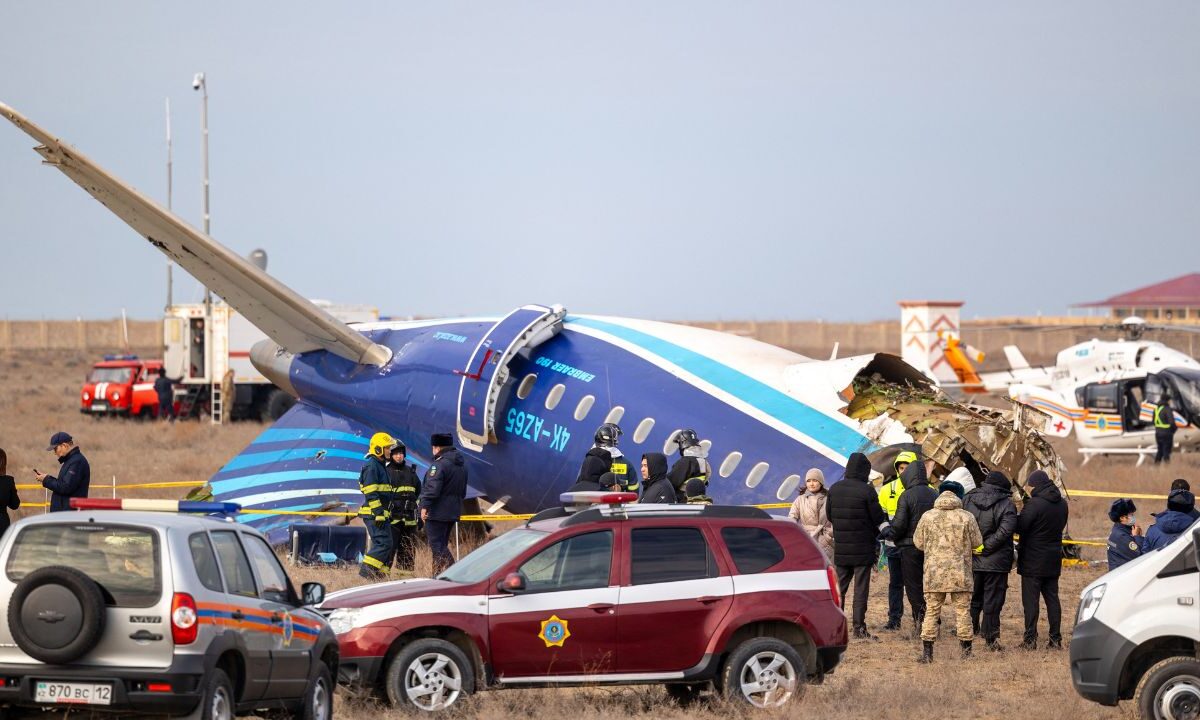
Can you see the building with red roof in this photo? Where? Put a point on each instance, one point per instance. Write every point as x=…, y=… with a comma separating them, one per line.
x=1176, y=299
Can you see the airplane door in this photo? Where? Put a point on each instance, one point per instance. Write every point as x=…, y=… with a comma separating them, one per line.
x=176, y=346
x=487, y=371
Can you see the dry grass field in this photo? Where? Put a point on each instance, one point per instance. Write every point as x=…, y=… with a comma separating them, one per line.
x=39, y=394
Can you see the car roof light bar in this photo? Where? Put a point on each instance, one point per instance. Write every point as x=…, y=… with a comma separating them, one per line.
x=144, y=505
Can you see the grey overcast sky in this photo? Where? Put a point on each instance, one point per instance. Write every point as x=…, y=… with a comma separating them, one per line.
x=658, y=159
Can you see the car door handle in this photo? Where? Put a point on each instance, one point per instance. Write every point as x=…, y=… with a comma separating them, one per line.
x=601, y=607
x=145, y=635
x=238, y=615
x=709, y=599
x=276, y=617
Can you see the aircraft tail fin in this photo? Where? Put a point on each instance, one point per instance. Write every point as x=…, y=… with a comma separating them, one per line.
x=309, y=460
x=277, y=310
x=1016, y=360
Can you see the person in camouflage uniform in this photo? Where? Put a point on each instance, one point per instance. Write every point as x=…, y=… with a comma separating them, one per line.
x=947, y=535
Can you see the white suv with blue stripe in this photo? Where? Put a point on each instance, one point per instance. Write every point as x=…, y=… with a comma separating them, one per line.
x=153, y=612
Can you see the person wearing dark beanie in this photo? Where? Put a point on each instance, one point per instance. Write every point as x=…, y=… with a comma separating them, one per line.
x=1181, y=484
x=853, y=509
x=1169, y=525
x=1039, y=559
x=1125, y=542
x=992, y=506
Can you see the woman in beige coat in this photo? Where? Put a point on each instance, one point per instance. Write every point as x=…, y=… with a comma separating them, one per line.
x=809, y=511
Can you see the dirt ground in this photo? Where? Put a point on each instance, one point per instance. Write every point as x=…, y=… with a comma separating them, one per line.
x=39, y=394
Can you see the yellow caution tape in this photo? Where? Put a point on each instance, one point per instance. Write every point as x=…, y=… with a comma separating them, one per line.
x=156, y=485
x=1089, y=543
x=1105, y=494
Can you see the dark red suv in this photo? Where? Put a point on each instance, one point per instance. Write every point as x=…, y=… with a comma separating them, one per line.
x=681, y=595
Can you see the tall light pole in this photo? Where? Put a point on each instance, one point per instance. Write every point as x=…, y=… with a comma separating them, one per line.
x=170, y=294
x=198, y=83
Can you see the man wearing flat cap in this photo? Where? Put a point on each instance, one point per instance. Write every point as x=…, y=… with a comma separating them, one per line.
x=442, y=494
x=74, y=476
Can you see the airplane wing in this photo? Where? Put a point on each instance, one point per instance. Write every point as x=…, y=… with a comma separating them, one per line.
x=277, y=310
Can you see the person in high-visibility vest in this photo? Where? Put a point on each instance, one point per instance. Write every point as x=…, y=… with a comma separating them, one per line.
x=376, y=488
x=889, y=498
x=1164, y=429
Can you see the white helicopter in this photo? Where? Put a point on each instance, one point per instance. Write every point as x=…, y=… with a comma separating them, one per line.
x=1106, y=390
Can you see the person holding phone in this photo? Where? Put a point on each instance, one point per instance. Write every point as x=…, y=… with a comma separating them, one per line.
x=8, y=492
x=74, y=476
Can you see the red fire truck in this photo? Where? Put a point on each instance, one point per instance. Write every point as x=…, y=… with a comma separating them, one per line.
x=121, y=385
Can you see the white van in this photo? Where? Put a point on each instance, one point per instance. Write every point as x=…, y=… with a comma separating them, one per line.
x=1137, y=634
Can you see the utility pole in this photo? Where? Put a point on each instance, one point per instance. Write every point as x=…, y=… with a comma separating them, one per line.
x=199, y=83
x=170, y=298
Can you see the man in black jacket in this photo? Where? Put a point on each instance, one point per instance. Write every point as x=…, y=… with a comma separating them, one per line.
x=442, y=494
x=853, y=509
x=917, y=499
x=658, y=487
x=1164, y=429
x=406, y=488
x=991, y=504
x=1039, y=556
x=74, y=476
x=692, y=463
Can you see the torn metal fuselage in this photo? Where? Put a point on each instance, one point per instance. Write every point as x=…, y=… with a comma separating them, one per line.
x=894, y=411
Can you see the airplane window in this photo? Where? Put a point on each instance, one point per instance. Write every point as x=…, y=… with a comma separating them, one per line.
x=790, y=483
x=731, y=463
x=669, y=446
x=584, y=407
x=526, y=385
x=615, y=415
x=706, y=445
x=756, y=474
x=555, y=396
x=643, y=430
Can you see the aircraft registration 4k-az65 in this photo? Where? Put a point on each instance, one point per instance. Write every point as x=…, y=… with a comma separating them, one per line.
x=524, y=393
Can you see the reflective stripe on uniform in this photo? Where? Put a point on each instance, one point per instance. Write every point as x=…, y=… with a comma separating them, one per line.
x=368, y=560
x=1158, y=421
x=379, y=487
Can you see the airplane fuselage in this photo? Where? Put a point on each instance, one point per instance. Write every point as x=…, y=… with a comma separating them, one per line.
x=761, y=438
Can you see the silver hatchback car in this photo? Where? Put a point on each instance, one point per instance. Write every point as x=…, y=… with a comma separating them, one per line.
x=158, y=612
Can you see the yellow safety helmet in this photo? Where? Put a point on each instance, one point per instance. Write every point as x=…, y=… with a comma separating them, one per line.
x=905, y=456
x=380, y=442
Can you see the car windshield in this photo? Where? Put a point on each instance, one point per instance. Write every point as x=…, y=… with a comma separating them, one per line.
x=491, y=556
x=122, y=560
x=118, y=375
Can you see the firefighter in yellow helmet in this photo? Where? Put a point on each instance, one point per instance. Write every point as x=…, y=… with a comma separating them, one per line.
x=889, y=498
x=376, y=488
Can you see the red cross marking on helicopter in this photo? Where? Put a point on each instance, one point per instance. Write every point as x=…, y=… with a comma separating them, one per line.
x=1059, y=426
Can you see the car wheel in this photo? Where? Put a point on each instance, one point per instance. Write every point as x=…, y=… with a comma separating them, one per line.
x=685, y=695
x=318, y=698
x=277, y=403
x=216, y=698
x=430, y=675
x=763, y=672
x=1169, y=690
x=56, y=614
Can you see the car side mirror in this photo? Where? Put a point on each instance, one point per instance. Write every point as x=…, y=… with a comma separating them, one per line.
x=512, y=583
x=312, y=593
